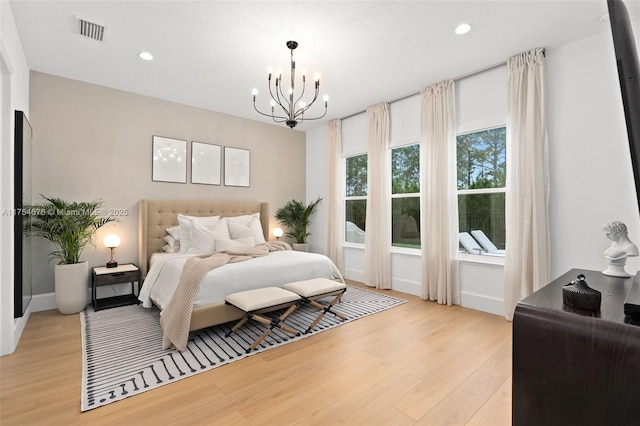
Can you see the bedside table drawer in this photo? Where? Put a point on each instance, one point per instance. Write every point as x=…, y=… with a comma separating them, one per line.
x=116, y=278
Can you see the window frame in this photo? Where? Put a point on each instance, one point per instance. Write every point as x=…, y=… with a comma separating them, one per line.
x=400, y=249
x=478, y=257
x=346, y=198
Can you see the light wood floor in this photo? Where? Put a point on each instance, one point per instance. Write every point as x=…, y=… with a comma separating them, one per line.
x=416, y=364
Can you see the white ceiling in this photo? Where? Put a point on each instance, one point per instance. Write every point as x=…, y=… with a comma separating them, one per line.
x=211, y=54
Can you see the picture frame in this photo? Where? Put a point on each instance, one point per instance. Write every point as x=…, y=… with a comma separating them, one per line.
x=237, y=167
x=169, y=160
x=206, y=163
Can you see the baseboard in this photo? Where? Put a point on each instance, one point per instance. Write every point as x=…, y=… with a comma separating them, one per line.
x=405, y=286
x=47, y=301
x=482, y=303
x=43, y=302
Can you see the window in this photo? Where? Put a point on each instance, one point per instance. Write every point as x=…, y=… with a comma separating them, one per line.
x=405, y=196
x=481, y=164
x=355, y=198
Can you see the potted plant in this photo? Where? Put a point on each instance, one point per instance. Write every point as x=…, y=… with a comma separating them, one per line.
x=70, y=226
x=296, y=217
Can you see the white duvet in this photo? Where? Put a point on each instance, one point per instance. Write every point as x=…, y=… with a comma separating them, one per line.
x=273, y=270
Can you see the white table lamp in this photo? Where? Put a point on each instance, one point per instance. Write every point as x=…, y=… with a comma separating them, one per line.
x=111, y=241
x=278, y=232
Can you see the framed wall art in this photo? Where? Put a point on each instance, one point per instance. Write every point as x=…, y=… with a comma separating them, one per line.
x=169, y=160
x=237, y=167
x=205, y=163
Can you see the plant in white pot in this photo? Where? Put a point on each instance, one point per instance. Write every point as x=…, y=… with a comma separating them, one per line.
x=296, y=217
x=70, y=226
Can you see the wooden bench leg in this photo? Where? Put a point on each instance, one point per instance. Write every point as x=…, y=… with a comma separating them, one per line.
x=325, y=309
x=237, y=326
x=271, y=323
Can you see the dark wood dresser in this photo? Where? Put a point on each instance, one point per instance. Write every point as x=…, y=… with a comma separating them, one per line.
x=576, y=368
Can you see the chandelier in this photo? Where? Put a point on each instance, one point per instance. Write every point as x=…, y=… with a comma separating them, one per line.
x=286, y=108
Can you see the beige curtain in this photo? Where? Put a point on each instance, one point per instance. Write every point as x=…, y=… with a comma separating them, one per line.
x=527, y=241
x=334, y=207
x=377, y=242
x=439, y=203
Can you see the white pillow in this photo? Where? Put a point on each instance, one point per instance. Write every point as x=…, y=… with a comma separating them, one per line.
x=252, y=228
x=172, y=242
x=174, y=231
x=185, y=228
x=168, y=249
x=243, y=218
x=235, y=245
x=203, y=238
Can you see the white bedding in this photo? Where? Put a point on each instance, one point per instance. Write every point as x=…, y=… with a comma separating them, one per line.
x=279, y=267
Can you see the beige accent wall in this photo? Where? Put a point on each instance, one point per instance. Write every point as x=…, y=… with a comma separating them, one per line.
x=95, y=142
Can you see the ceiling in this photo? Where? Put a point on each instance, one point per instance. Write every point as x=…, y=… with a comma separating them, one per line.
x=211, y=54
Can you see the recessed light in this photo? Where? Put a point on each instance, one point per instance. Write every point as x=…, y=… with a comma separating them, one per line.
x=146, y=56
x=463, y=28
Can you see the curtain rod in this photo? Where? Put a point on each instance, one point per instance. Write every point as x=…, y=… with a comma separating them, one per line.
x=462, y=77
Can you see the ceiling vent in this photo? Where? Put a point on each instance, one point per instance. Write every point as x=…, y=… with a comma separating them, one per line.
x=91, y=30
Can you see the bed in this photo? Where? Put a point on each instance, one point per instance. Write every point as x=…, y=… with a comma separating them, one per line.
x=279, y=267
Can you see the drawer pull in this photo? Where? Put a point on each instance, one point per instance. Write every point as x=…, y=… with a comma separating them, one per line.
x=115, y=274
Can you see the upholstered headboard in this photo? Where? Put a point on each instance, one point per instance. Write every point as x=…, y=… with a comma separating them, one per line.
x=155, y=216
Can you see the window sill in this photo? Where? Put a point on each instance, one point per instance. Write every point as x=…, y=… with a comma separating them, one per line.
x=481, y=259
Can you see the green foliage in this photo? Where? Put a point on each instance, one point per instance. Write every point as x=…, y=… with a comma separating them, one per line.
x=356, y=176
x=485, y=212
x=405, y=170
x=296, y=217
x=70, y=226
x=481, y=159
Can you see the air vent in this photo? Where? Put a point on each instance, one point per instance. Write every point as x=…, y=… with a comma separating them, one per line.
x=91, y=30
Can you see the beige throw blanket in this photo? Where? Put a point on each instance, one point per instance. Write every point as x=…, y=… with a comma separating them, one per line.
x=176, y=316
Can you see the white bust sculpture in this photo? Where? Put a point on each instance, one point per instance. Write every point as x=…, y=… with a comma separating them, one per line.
x=621, y=247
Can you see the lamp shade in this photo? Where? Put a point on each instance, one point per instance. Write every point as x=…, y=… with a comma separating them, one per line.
x=278, y=232
x=111, y=241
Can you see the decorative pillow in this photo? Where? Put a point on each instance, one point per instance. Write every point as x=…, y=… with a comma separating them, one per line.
x=174, y=231
x=235, y=245
x=203, y=238
x=251, y=228
x=243, y=218
x=185, y=228
x=168, y=249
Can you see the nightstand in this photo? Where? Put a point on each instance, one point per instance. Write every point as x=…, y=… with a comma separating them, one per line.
x=121, y=274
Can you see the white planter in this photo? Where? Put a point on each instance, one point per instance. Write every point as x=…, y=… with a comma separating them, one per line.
x=72, y=287
x=301, y=246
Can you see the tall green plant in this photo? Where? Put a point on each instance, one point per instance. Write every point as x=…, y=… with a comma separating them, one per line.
x=296, y=217
x=70, y=226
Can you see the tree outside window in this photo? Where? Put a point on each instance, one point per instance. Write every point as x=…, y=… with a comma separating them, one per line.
x=405, y=196
x=481, y=164
x=355, y=198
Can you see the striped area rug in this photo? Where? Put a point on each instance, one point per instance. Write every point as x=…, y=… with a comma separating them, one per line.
x=122, y=351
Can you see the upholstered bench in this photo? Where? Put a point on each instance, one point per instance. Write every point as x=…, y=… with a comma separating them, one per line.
x=315, y=289
x=254, y=302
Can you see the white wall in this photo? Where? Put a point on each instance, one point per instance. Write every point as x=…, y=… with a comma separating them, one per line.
x=14, y=90
x=95, y=142
x=590, y=169
x=590, y=166
x=316, y=166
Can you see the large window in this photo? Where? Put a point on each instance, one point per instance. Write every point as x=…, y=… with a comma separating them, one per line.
x=405, y=196
x=355, y=198
x=481, y=162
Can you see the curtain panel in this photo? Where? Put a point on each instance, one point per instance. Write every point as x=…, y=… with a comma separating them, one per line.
x=334, y=208
x=527, y=229
x=439, y=202
x=377, y=242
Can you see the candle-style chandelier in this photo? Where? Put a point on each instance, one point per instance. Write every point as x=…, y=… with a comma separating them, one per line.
x=293, y=108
